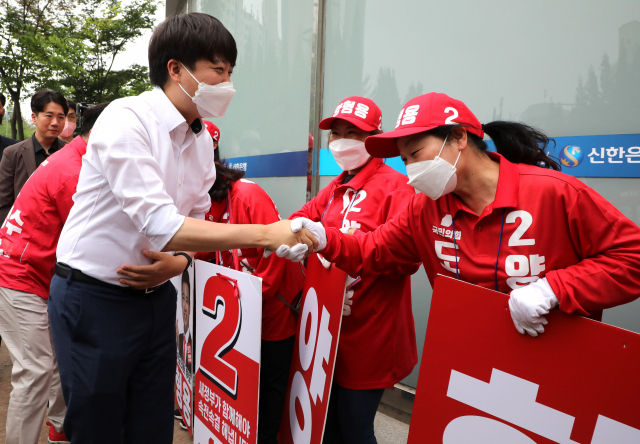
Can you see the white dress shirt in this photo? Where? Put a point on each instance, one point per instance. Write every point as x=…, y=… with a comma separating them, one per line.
x=144, y=171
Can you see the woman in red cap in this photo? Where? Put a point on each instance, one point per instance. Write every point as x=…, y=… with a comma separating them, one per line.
x=377, y=341
x=235, y=200
x=509, y=221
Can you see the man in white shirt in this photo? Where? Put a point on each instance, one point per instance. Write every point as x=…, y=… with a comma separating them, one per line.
x=143, y=190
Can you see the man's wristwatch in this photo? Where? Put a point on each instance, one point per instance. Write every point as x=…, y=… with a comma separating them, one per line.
x=189, y=259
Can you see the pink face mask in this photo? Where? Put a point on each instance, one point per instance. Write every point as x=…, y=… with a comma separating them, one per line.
x=69, y=128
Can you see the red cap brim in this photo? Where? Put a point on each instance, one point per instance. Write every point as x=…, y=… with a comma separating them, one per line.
x=325, y=124
x=384, y=145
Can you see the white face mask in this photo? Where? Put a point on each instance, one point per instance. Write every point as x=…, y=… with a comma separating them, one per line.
x=349, y=153
x=211, y=100
x=435, y=178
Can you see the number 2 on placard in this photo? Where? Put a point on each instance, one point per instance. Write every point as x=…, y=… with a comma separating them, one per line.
x=219, y=292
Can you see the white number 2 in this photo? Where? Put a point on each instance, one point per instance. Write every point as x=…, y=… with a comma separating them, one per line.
x=516, y=238
x=449, y=120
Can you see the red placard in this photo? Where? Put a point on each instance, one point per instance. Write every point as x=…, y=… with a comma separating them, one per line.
x=314, y=355
x=229, y=313
x=482, y=382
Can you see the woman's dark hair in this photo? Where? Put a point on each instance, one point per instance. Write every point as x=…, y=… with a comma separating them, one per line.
x=71, y=104
x=517, y=142
x=3, y=99
x=89, y=117
x=225, y=177
x=44, y=96
x=188, y=38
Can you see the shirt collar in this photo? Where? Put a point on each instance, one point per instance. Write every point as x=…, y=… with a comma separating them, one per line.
x=169, y=115
x=37, y=147
x=79, y=145
x=362, y=176
x=506, y=193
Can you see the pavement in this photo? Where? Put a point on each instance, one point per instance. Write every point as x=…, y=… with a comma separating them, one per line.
x=388, y=430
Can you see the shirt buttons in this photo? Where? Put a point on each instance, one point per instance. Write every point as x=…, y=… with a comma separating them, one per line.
x=479, y=229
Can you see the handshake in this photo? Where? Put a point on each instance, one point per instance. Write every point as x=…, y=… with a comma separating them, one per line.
x=296, y=241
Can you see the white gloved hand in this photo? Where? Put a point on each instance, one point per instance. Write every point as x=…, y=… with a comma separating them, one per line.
x=298, y=224
x=315, y=228
x=529, y=304
x=346, y=308
x=294, y=254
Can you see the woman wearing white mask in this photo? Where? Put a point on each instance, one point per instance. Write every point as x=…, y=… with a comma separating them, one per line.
x=508, y=221
x=70, y=122
x=377, y=342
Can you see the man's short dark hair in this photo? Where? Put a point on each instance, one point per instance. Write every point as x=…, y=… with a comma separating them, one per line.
x=3, y=99
x=188, y=38
x=72, y=105
x=44, y=96
x=89, y=117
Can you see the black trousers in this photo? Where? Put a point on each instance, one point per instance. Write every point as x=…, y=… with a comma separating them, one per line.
x=274, y=376
x=117, y=357
x=350, y=416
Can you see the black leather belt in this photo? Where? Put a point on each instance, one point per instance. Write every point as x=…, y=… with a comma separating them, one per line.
x=63, y=270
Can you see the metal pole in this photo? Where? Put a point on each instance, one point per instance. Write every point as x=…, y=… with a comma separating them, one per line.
x=317, y=80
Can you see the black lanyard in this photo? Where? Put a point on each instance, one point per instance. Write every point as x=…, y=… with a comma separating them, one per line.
x=455, y=249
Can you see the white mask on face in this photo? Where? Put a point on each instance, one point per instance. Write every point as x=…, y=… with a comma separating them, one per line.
x=349, y=153
x=211, y=100
x=435, y=178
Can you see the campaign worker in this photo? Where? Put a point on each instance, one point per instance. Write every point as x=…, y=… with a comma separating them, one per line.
x=235, y=200
x=142, y=194
x=508, y=221
x=378, y=320
x=70, y=122
x=215, y=135
x=28, y=241
x=49, y=110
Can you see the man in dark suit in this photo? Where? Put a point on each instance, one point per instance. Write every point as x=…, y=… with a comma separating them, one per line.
x=49, y=110
x=4, y=141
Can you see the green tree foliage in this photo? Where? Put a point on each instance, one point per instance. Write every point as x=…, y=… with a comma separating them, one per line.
x=100, y=31
x=70, y=46
x=28, y=39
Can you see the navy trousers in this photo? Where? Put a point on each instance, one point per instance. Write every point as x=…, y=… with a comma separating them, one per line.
x=350, y=416
x=117, y=358
x=274, y=376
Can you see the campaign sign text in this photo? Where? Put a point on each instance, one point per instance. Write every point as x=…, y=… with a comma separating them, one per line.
x=482, y=382
x=229, y=324
x=314, y=355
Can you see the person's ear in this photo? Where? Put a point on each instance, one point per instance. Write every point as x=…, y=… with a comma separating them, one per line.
x=459, y=137
x=34, y=118
x=175, y=70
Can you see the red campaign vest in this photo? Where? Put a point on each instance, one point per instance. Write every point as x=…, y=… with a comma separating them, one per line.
x=29, y=236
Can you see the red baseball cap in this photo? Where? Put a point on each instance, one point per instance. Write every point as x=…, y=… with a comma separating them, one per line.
x=360, y=111
x=420, y=114
x=213, y=130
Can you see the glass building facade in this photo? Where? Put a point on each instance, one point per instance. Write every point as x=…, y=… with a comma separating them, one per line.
x=568, y=67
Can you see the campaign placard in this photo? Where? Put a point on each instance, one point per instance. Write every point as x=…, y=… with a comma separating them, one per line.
x=482, y=382
x=228, y=340
x=314, y=355
x=185, y=289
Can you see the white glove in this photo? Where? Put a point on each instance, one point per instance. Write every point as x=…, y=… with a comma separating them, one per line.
x=315, y=228
x=295, y=253
x=528, y=304
x=298, y=224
